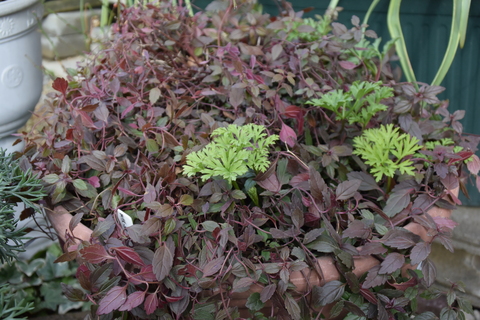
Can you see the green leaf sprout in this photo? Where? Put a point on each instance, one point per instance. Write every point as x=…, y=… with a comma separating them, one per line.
x=385, y=150
x=233, y=151
x=359, y=104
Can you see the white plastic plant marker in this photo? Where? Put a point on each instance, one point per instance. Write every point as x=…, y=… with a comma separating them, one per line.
x=125, y=220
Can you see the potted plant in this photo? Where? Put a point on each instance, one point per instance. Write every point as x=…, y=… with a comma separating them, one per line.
x=233, y=165
x=21, y=76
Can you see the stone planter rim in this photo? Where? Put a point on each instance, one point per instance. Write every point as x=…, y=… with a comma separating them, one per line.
x=12, y=6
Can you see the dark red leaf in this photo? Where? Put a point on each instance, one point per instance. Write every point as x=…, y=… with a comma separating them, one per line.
x=95, y=254
x=86, y=120
x=172, y=299
x=404, y=285
x=133, y=300
x=113, y=300
x=129, y=255
x=288, y=135
x=370, y=296
x=60, y=84
x=294, y=112
x=68, y=256
x=151, y=303
x=317, y=185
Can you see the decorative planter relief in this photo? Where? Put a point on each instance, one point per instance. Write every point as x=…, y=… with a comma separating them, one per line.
x=21, y=78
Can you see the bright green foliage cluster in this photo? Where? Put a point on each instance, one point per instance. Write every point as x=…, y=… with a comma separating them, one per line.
x=233, y=151
x=15, y=185
x=384, y=149
x=359, y=104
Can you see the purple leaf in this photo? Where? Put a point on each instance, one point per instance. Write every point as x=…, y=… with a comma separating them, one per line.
x=236, y=96
x=292, y=307
x=420, y=252
x=133, y=300
x=367, y=181
x=397, y=201
x=357, y=229
x=372, y=248
x=317, y=185
x=429, y=272
x=374, y=279
x=347, y=189
x=267, y=292
x=450, y=181
x=270, y=183
x=150, y=194
x=330, y=292
x=392, y=263
x=347, y=65
x=162, y=262
x=401, y=239
x=242, y=284
x=441, y=169
x=113, y=300
x=213, y=266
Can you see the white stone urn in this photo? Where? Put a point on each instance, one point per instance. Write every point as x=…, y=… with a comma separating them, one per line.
x=21, y=77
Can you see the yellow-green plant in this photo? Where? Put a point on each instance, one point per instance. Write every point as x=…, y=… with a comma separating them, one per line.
x=359, y=104
x=233, y=151
x=385, y=149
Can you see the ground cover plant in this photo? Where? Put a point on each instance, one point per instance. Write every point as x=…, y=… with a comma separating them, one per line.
x=16, y=186
x=243, y=147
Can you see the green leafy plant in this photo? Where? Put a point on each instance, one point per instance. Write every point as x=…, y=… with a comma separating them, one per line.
x=16, y=185
x=386, y=150
x=37, y=283
x=359, y=104
x=233, y=151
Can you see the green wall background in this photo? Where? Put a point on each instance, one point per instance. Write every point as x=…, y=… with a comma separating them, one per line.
x=426, y=28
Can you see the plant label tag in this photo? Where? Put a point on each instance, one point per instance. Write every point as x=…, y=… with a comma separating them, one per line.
x=125, y=220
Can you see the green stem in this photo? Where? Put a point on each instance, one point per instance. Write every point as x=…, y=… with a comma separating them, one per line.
x=235, y=185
